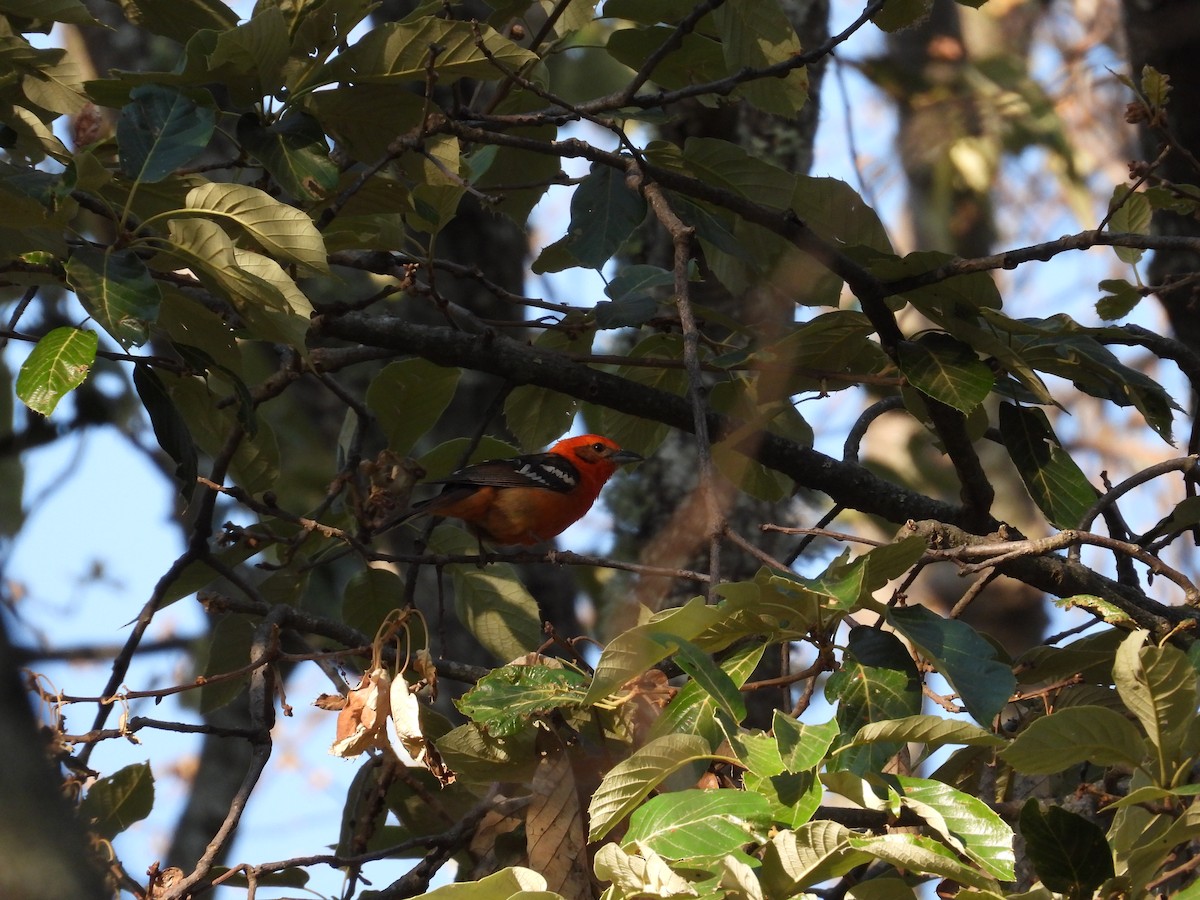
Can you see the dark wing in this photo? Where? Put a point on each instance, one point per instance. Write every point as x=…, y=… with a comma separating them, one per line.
x=544, y=470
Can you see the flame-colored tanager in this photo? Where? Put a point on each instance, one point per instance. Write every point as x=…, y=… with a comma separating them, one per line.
x=527, y=499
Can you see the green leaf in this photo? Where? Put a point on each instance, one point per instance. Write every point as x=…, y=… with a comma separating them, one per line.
x=963, y=821
x=202, y=246
x=352, y=113
x=170, y=429
x=280, y=230
x=965, y=659
x=626, y=313
x=639, y=282
x=757, y=34
x=114, y=803
x=71, y=11
x=815, y=852
x=1056, y=484
x=756, y=753
x=877, y=682
x=369, y=597
x=697, y=61
x=514, y=883
x=1073, y=735
x=408, y=397
x=696, y=824
x=255, y=464
x=604, y=212
x=700, y=668
x=1119, y=301
x=537, y=415
x=116, y=288
x=1131, y=214
x=730, y=167
x=160, y=130
x=437, y=185
x=897, y=15
x=693, y=710
x=497, y=609
x=837, y=212
x=836, y=342
x=916, y=853
x=180, y=19
x=794, y=797
x=258, y=47
x=504, y=700
x=630, y=781
x=400, y=52
x=853, y=583
x=933, y=731
x=228, y=651
x=634, y=651
x=803, y=747
x=478, y=758
x=1069, y=853
x=1159, y=686
x=294, y=151
x=946, y=370
x=59, y=363
x=777, y=607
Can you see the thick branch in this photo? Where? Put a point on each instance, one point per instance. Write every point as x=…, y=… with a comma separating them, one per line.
x=850, y=485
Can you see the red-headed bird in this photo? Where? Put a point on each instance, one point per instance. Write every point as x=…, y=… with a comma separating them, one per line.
x=526, y=499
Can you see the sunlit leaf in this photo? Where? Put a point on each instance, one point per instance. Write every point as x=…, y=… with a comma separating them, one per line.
x=630, y=781
x=1074, y=735
x=59, y=363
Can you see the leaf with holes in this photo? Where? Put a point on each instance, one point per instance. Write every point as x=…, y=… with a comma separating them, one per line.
x=58, y=364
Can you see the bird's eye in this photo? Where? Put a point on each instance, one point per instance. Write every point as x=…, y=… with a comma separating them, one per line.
x=598, y=447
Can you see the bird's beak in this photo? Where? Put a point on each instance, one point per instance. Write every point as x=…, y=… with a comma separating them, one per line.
x=622, y=457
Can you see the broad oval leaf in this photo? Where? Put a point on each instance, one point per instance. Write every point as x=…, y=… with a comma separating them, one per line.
x=537, y=415
x=497, y=609
x=399, y=52
x=946, y=369
x=1074, y=735
x=170, y=429
x=59, y=363
x=116, y=287
x=700, y=824
x=408, y=397
x=281, y=230
x=294, y=151
x=933, y=731
x=960, y=654
x=628, y=782
x=964, y=822
x=1159, y=686
x=1069, y=853
x=369, y=597
x=632, y=652
x=505, y=699
x=160, y=130
x=1056, y=484
x=117, y=801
